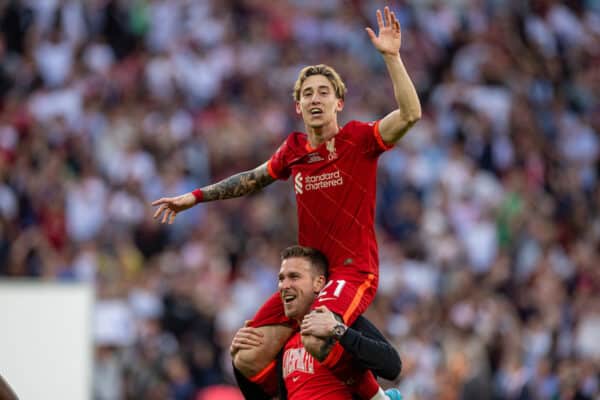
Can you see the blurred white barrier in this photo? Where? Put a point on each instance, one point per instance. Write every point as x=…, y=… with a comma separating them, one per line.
x=46, y=348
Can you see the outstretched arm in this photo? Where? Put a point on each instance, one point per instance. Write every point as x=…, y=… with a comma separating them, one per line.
x=237, y=185
x=394, y=125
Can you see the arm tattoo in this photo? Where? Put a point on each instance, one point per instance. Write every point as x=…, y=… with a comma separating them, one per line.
x=325, y=349
x=238, y=185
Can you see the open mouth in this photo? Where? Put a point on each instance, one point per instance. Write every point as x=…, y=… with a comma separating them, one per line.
x=288, y=298
x=316, y=111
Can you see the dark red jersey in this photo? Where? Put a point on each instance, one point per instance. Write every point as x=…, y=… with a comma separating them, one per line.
x=306, y=379
x=335, y=187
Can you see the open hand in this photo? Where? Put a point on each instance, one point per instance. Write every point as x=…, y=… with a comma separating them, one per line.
x=389, y=40
x=170, y=206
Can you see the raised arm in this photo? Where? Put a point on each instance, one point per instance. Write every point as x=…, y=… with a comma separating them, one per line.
x=394, y=125
x=237, y=185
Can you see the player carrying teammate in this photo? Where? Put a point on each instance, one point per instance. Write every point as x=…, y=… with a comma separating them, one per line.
x=334, y=175
x=303, y=274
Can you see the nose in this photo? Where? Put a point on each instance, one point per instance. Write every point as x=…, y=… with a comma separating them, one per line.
x=284, y=284
x=315, y=99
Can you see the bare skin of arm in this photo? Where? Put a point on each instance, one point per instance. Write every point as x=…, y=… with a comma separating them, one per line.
x=237, y=185
x=253, y=349
x=316, y=335
x=394, y=125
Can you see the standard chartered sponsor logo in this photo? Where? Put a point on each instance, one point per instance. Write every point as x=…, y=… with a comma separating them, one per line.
x=316, y=182
x=298, y=183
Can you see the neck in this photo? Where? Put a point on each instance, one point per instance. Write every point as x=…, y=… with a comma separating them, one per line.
x=299, y=318
x=319, y=135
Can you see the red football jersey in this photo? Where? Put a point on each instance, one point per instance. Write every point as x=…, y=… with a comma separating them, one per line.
x=335, y=186
x=305, y=378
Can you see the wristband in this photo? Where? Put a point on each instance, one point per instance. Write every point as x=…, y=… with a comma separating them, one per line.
x=198, y=195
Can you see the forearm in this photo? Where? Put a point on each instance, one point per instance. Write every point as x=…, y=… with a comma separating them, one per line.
x=405, y=93
x=238, y=185
x=379, y=357
x=371, y=350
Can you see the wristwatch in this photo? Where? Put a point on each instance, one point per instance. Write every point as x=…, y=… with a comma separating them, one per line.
x=338, y=331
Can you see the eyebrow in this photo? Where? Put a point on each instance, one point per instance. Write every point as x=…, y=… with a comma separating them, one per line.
x=289, y=274
x=318, y=88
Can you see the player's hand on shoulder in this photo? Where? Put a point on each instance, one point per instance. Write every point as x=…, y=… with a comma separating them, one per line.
x=319, y=322
x=245, y=339
x=168, y=207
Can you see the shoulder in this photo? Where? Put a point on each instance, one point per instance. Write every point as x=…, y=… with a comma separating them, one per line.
x=296, y=140
x=366, y=327
x=358, y=127
x=292, y=144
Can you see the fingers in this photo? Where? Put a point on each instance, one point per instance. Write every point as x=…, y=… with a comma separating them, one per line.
x=239, y=343
x=162, y=200
x=395, y=22
x=307, y=323
x=165, y=214
x=322, y=309
x=165, y=217
x=306, y=328
x=250, y=332
x=247, y=338
x=245, y=343
x=387, y=19
x=164, y=211
x=387, y=16
x=159, y=210
x=372, y=35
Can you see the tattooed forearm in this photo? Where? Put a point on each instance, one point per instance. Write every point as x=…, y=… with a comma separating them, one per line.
x=238, y=185
x=325, y=349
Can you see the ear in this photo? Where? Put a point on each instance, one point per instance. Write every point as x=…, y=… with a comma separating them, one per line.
x=298, y=108
x=340, y=105
x=319, y=283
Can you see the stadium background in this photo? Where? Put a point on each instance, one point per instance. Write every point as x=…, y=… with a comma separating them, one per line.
x=487, y=211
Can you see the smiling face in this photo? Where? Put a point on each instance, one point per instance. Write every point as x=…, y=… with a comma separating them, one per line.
x=318, y=103
x=299, y=283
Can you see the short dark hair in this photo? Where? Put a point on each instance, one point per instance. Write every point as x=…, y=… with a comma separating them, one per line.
x=316, y=258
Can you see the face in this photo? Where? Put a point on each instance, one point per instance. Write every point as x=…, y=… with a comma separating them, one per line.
x=299, y=284
x=318, y=104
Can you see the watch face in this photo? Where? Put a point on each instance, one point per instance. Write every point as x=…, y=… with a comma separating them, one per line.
x=339, y=330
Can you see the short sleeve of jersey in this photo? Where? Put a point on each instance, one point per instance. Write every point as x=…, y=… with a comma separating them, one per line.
x=370, y=138
x=279, y=163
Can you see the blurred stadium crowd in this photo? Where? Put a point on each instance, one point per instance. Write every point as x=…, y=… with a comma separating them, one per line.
x=488, y=210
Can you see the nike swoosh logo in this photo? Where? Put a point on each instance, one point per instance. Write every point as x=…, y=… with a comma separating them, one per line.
x=327, y=298
x=295, y=378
